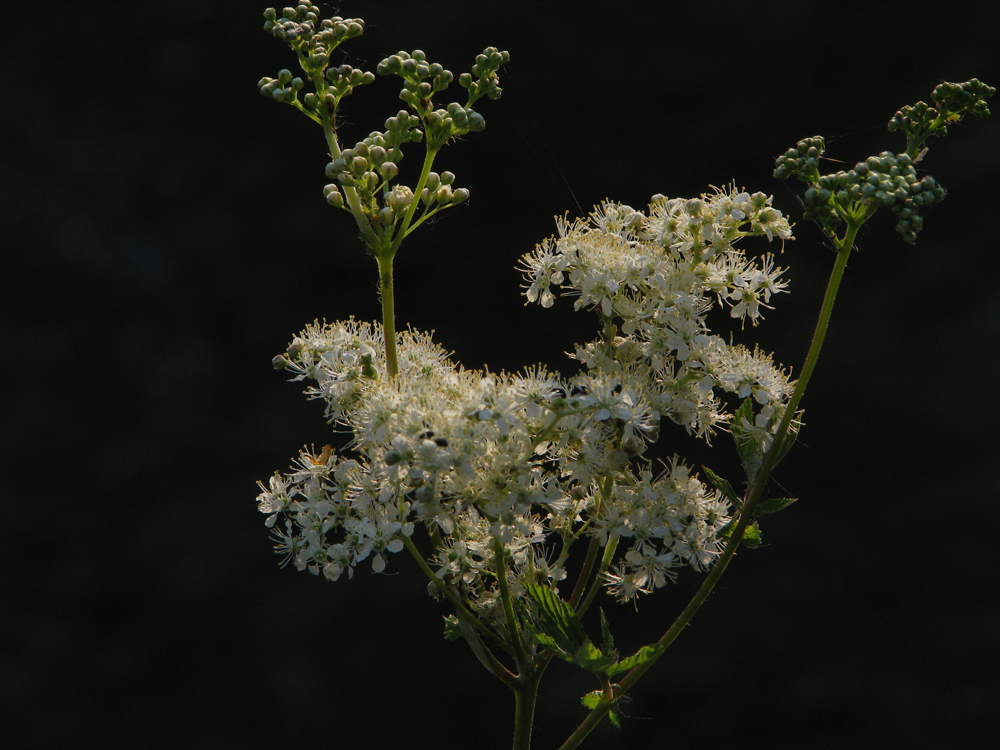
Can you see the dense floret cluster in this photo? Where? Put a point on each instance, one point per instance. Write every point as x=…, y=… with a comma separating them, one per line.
x=533, y=462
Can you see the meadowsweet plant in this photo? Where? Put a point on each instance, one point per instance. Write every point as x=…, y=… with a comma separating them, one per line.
x=522, y=496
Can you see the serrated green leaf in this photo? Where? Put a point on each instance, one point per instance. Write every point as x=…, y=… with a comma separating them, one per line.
x=592, y=700
x=747, y=445
x=723, y=486
x=591, y=658
x=726, y=531
x=643, y=655
x=558, y=628
x=751, y=537
x=607, y=641
x=773, y=505
x=557, y=619
x=550, y=643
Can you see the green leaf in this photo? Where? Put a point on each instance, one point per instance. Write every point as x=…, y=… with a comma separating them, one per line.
x=591, y=658
x=724, y=487
x=643, y=655
x=558, y=628
x=592, y=700
x=747, y=444
x=608, y=641
x=751, y=537
x=773, y=505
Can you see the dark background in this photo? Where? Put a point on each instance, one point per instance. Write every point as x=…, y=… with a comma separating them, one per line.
x=165, y=236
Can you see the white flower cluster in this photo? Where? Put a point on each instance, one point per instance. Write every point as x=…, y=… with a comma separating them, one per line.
x=658, y=275
x=536, y=461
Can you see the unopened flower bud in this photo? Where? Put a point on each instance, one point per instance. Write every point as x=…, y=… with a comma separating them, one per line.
x=333, y=196
x=400, y=198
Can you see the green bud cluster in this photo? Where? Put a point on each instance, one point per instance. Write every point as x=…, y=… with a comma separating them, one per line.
x=801, y=161
x=422, y=80
x=362, y=177
x=313, y=41
x=952, y=100
x=888, y=179
x=483, y=80
x=284, y=88
x=298, y=27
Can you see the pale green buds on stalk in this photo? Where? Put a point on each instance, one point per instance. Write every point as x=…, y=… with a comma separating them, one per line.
x=888, y=179
x=361, y=177
x=953, y=100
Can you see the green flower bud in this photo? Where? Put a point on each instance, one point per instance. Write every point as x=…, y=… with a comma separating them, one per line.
x=388, y=170
x=447, y=178
x=386, y=215
x=460, y=195
x=433, y=180
x=333, y=196
x=285, y=75
x=476, y=122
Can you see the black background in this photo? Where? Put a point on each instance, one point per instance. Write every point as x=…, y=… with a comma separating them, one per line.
x=165, y=236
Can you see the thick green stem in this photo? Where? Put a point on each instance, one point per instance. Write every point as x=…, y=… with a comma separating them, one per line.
x=388, y=313
x=525, y=696
x=753, y=495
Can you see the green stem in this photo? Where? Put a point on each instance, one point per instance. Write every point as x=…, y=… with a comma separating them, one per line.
x=388, y=313
x=513, y=632
x=525, y=696
x=460, y=609
x=609, y=553
x=350, y=194
x=404, y=226
x=588, y=565
x=754, y=493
